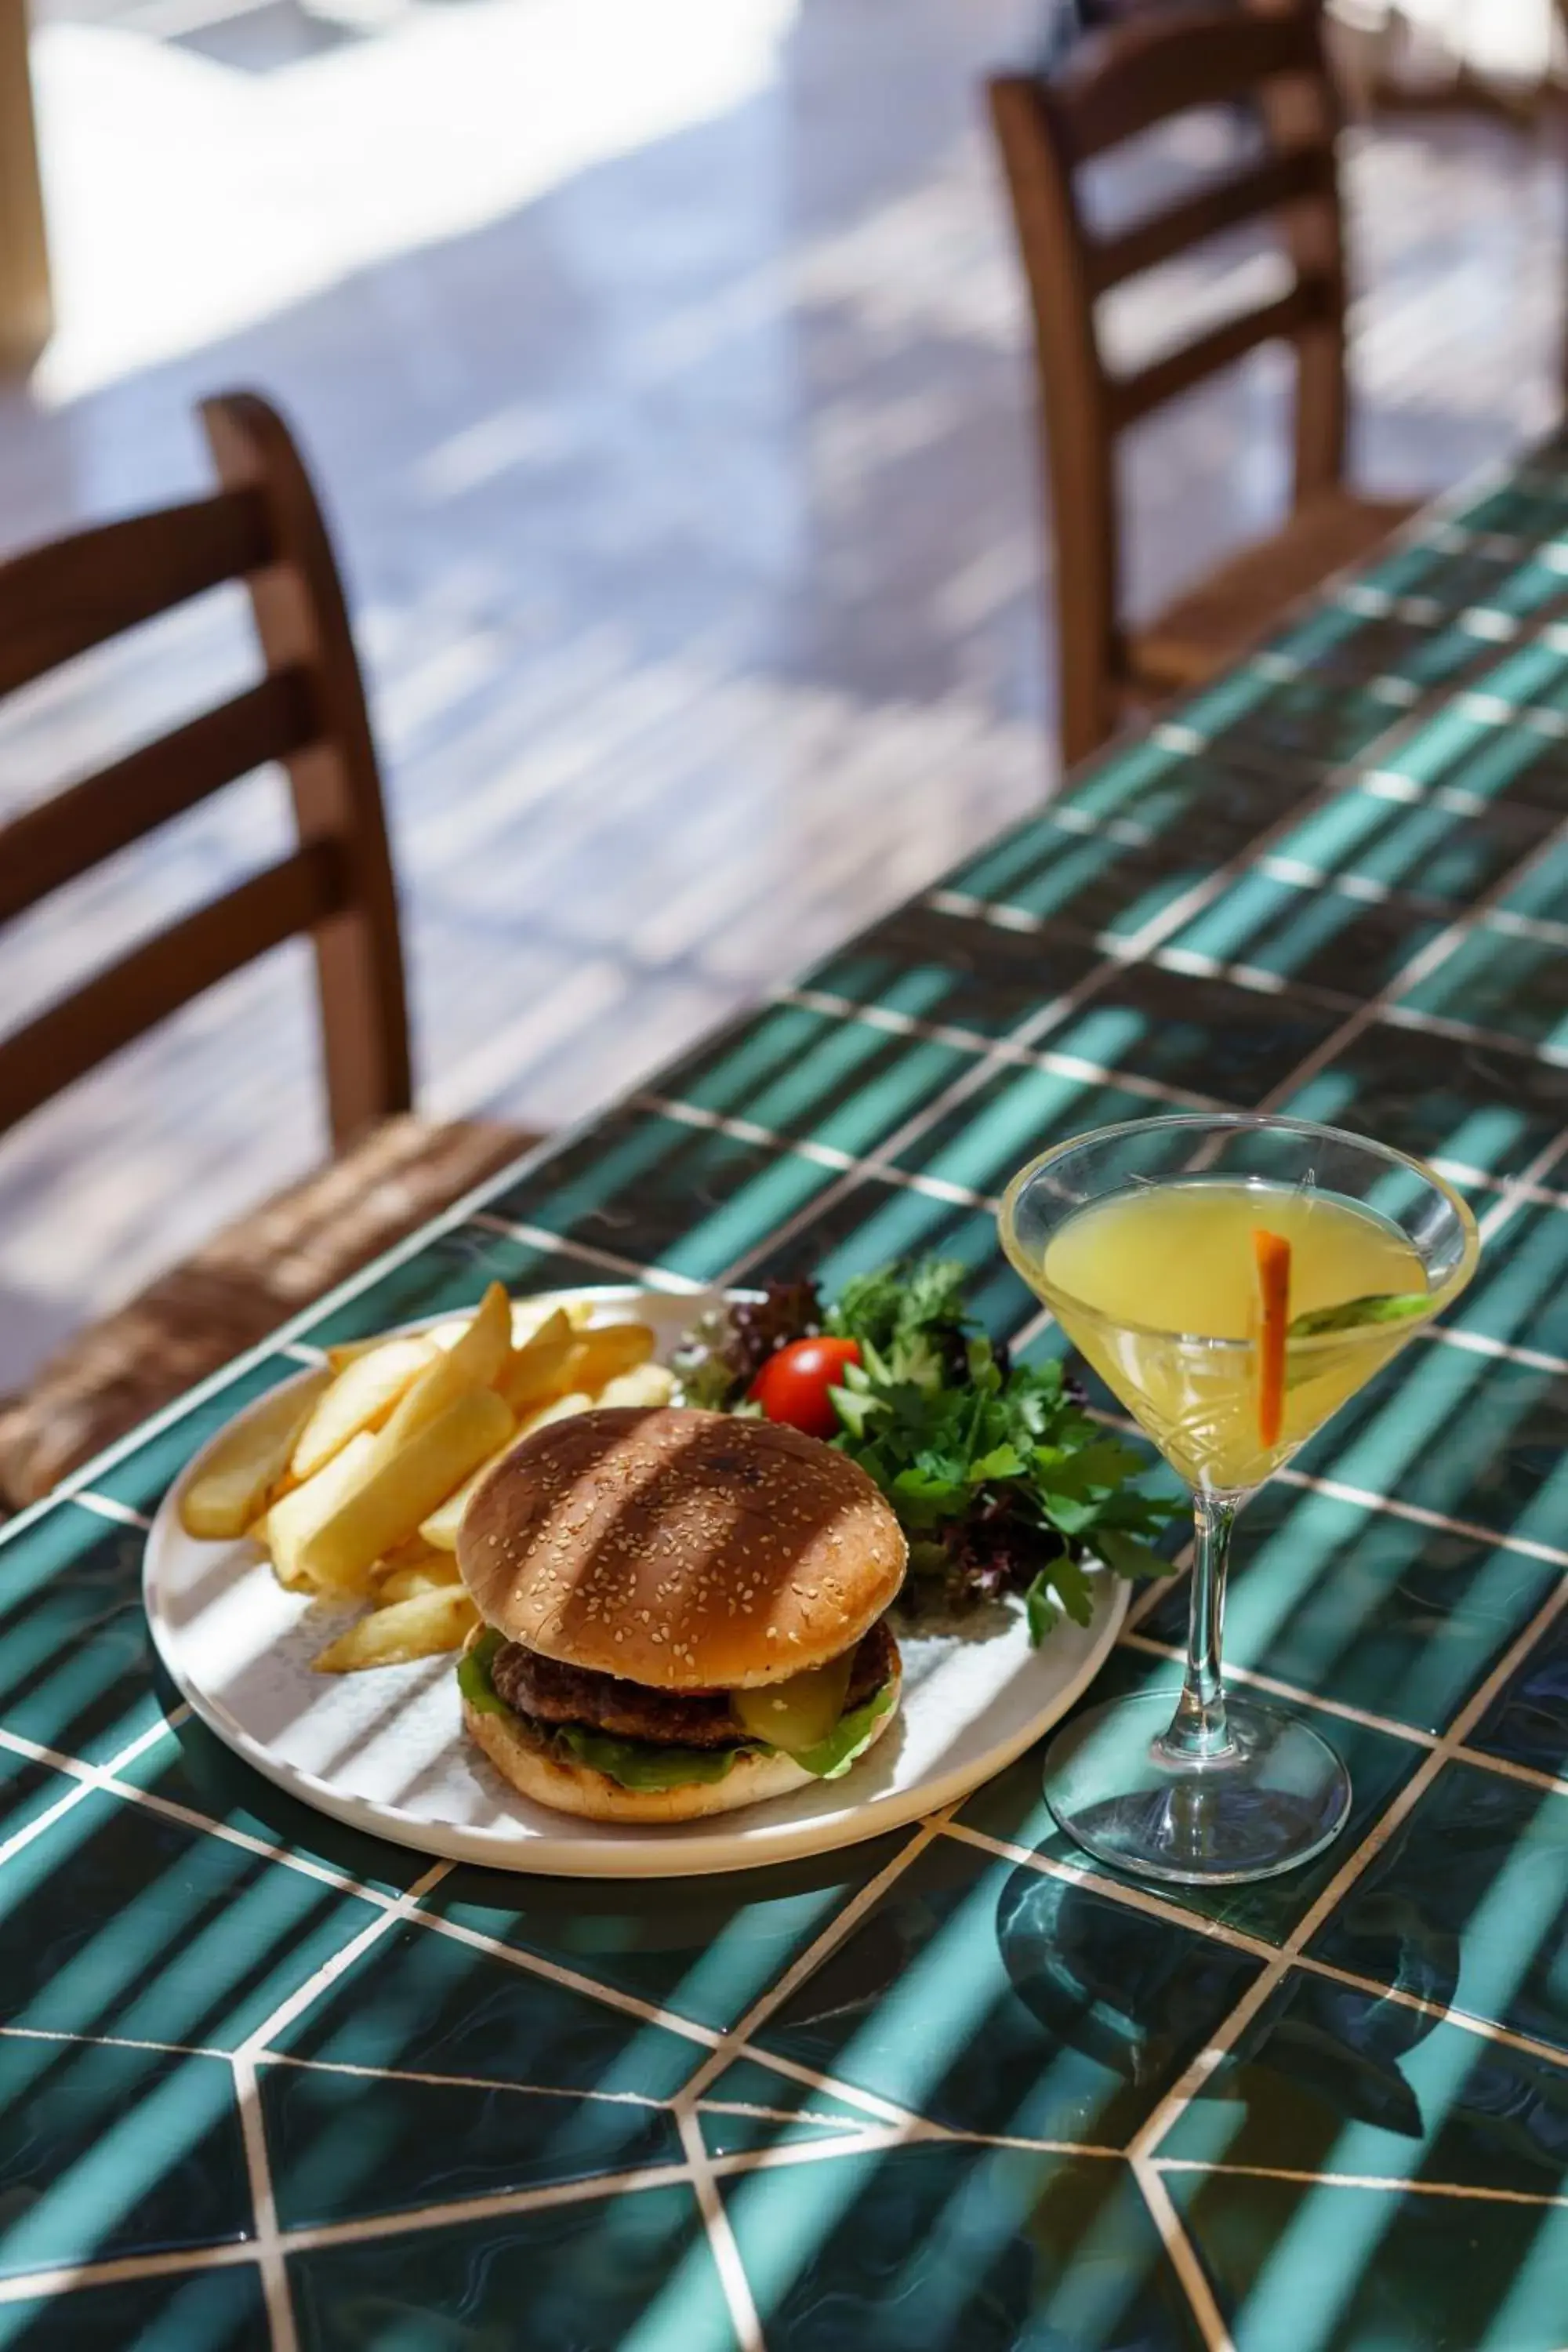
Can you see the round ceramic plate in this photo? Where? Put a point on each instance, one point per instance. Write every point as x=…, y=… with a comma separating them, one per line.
x=386, y=1750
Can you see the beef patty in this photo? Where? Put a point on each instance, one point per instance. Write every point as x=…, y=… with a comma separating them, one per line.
x=551, y=1693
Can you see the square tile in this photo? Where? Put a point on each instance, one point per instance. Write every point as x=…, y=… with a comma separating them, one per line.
x=1519, y=1293
x=1453, y=577
x=1110, y=881
x=1424, y=853
x=991, y=1998
x=1365, y=1608
x=1348, y=644
x=1011, y=1807
x=1298, y=725
x=957, y=970
x=1513, y=764
x=213, y=2311
x=1377, y=2271
x=983, y=1140
x=1467, y=1904
x=448, y=1274
x=871, y=1221
x=990, y=2249
x=1527, y=1723
x=1541, y=892
x=631, y=2272
x=75, y=1662
x=1205, y=1038
x=1479, y=1441
x=661, y=1193
x=1444, y=1098
x=27, y=1789
x=425, y=2004
x=750, y=2106
x=1496, y=979
x=1328, y=2079
x=706, y=1958
x=1340, y=948
x=107, y=2152
x=1164, y=790
x=840, y=1082
x=1532, y=676
x=346, y=2144
x=116, y=1920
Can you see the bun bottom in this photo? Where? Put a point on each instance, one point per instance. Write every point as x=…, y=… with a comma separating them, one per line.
x=536, y=1767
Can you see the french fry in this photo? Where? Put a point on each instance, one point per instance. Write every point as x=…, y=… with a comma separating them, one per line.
x=434, y=1573
x=361, y=1397
x=538, y=1370
x=650, y=1384
x=472, y=1362
x=440, y=1530
x=294, y=1517
x=403, y=1487
x=420, y=1627
x=232, y=1485
x=611, y=1348
x=559, y=1409
x=415, y=1553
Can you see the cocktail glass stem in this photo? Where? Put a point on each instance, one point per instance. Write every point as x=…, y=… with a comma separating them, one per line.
x=1199, y=1732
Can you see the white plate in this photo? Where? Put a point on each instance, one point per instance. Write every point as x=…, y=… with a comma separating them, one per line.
x=386, y=1750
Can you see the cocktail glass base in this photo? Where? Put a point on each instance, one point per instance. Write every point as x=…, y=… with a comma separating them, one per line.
x=1272, y=1799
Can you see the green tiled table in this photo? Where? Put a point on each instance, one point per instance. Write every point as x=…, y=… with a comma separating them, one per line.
x=266, y=2083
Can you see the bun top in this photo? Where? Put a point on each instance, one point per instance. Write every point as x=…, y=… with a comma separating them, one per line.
x=684, y=1550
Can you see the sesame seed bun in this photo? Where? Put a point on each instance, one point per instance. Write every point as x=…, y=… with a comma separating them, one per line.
x=524, y=1755
x=682, y=1550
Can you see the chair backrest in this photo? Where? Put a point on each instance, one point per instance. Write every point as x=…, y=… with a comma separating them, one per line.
x=1115, y=86
x=306, y=711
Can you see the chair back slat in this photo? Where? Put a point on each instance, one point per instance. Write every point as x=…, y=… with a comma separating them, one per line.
x=1150, y=69
x=59, y=601
x=133, y=994
x=265, y=528
x=1166, y=378
x=1247, y=195
x=49, y=845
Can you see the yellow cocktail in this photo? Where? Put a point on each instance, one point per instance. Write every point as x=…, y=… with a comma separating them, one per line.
x=1233, y=1280
x=1135, y=1277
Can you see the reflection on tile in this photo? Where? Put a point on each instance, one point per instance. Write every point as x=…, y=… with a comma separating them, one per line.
x=1358, y=1606
x=343, y=2144
x=656, y=1191
x=707, y=1957
x=1327, y=2079
x=430, y=2004
x=1206, y=1037
x=870, y=1222
x=993, y=1999
x=116, y=1920
x=957, y=969
x=217, y=2311
x=629, y=2271
x=107, y=2152
x=800, y=1073
x=987, y=2250
x=1439, y=1097
x=1011, y=1807
x=76, y=1663
x=1528, y=1721
x=1307, y=938
x=1302, y=2267
x=1473, y=1886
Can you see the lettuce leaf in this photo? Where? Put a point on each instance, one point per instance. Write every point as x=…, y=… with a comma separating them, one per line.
x=849, y=1738
x=474, y=1675
x=643, y=1764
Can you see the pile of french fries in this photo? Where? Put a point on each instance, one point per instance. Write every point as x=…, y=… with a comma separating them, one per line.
x=354, y=1481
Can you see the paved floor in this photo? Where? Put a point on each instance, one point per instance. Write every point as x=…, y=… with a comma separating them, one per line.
x=665, y=370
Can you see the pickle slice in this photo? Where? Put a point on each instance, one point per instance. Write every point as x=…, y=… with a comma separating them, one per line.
x=797, y=1714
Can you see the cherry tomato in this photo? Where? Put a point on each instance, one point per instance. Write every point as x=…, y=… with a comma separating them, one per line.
x=793, y=1385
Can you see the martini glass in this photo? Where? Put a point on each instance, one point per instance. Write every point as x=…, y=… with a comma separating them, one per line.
x=1140, y=1239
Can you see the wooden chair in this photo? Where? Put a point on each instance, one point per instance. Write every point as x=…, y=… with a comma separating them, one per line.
x=1115, y=85
x=308, y=712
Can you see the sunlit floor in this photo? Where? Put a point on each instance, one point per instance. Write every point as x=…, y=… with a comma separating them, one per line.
x=665, y=370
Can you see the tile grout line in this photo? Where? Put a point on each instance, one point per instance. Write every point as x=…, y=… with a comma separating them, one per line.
x=269, y=2263
x=1382, y=2183
x=1182, y=2256
x=725, y=2253
x=651, y=1277
x=304, y=1996
x=1146, y=2140
x=84, y=1778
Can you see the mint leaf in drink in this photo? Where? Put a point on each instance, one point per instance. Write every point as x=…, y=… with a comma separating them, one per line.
x=1352, y=1313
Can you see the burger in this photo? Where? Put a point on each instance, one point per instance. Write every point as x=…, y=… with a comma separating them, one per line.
x=682, y=1613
